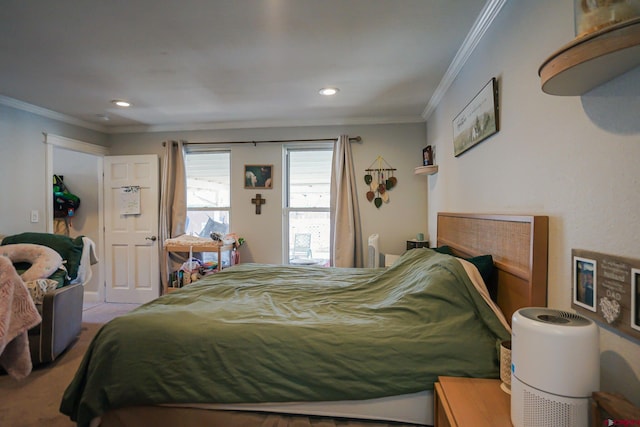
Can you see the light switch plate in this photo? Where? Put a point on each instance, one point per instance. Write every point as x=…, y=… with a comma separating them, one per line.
x=35, y=216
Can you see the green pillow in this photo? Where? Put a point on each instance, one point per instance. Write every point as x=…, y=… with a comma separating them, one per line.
x=69, y=249
x=444, y=250
x=484, y=264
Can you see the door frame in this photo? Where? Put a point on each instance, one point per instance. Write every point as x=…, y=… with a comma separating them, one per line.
x=52, y=141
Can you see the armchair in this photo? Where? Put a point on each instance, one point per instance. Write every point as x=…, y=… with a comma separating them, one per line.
x=60, y=326
x=61, y=308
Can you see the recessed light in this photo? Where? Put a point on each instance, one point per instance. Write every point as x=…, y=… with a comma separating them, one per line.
x=102, y=117
x=328, y=91
x=121, y=103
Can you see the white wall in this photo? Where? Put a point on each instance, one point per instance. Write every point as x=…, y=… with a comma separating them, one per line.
x=400, y=145
x=571, y=158
x=22, y=166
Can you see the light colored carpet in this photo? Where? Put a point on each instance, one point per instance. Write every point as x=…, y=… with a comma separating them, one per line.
x=35, y=401
x=102, y=313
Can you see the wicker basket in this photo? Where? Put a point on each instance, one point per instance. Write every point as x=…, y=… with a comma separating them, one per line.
x=505, y=366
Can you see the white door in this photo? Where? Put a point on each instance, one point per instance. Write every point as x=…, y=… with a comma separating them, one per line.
x=131, y=191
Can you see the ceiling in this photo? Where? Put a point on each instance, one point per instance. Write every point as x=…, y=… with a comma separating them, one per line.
x=205, y=64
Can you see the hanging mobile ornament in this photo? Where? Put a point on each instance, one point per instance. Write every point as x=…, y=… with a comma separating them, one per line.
x=380, y=184
x=389, y=183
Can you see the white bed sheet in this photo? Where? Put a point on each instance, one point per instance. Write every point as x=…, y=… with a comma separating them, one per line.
x=414, y=408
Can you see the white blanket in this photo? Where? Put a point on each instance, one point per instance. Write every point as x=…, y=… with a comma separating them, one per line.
x=18, y=314
x=88, y=259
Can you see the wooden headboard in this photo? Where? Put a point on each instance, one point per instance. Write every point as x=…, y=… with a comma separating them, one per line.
x=518, y=244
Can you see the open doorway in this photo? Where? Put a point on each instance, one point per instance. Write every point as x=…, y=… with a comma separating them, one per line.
x=81, y=165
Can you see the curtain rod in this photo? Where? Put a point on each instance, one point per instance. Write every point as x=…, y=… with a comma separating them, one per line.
x=355, y=138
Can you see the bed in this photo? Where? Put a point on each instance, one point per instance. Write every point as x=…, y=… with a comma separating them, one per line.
x=342, y=347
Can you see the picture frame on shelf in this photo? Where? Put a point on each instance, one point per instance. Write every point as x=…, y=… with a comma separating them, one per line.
x=585, y=282
x=478, y=120
x=427, y=156
x=635, y=299
x=258, y=177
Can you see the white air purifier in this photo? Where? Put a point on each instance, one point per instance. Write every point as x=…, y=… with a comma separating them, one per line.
x=374, y=252
x=555, y=367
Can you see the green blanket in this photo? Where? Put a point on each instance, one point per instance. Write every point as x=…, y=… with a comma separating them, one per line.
x=258, y=333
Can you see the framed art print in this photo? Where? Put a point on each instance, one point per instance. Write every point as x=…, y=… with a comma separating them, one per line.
x=606, y=288
x=478, y=120
x=258, y=176
x=635, y=299
x=584, y=282
x=427, y=156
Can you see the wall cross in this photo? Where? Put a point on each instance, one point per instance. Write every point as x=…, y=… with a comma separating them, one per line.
x=258, y=201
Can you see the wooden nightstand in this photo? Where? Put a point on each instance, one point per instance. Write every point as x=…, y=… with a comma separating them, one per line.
x=470, y=402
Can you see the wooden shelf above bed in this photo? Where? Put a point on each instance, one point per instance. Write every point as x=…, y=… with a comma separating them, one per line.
x=592, y=60
x=426, y=170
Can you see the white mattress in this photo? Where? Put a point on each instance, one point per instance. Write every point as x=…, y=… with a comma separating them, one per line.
x=415, y=408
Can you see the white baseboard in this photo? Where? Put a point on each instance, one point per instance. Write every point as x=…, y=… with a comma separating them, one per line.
x=92, y=296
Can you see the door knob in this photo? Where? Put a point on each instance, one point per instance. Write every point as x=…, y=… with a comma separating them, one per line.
x=152, y=238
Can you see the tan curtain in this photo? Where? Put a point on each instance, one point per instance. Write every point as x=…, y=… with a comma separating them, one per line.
x=346, y=233
x=173, y=200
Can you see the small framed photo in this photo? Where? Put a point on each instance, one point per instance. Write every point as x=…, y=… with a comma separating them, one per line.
x=427, y=156
x=584, y=282
x=258, y=176
x=635, y=299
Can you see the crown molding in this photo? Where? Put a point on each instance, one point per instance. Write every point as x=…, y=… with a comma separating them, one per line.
x=184, y=127
x=482, y=24
x=49, y=114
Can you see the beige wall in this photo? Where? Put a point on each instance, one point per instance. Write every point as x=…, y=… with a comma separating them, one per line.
x=571, y=158
x=400, y=145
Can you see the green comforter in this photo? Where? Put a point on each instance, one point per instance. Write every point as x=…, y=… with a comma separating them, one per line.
x=258, y=333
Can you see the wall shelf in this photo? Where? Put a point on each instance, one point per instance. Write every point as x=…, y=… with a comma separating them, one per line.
x=589, y=61
x=426, y=170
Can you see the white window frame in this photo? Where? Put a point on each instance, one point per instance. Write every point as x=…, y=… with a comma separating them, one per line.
x=194, y=150
x=286, y=210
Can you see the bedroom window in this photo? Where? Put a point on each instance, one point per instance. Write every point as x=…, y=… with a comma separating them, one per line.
x=308, y=187
x=208, y=192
